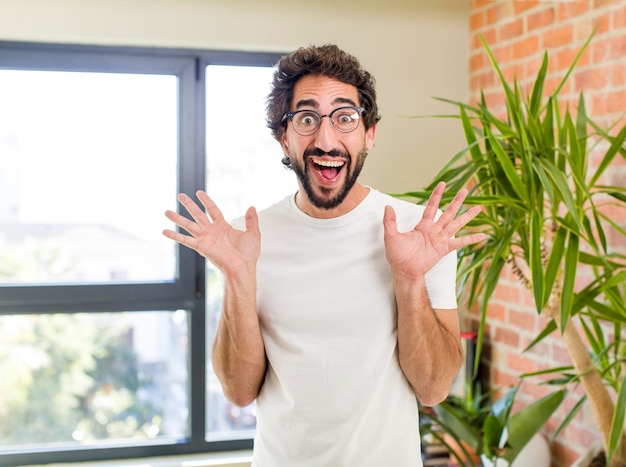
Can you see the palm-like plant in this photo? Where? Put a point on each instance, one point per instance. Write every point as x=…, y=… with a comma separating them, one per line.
x=546, y=214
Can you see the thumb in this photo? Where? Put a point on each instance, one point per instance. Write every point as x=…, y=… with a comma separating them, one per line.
x=252, y=220
x=389, y=221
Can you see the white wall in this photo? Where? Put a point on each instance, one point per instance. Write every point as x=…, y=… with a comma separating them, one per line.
x=416, y=49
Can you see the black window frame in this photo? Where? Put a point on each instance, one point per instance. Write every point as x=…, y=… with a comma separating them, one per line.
x=187, y=291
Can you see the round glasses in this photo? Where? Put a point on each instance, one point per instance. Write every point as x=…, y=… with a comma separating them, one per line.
x=307, y=122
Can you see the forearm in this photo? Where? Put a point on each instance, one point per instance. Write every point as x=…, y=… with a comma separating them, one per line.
x=429, y=347
x=238, y=351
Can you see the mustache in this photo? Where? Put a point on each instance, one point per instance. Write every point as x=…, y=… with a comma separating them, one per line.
x=320, y=152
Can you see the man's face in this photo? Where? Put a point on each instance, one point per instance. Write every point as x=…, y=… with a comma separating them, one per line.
x=328, y=162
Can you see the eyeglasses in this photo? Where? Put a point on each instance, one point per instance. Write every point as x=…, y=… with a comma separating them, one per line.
x=307, y=122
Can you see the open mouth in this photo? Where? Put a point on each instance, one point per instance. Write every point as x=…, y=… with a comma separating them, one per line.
x=328, y=169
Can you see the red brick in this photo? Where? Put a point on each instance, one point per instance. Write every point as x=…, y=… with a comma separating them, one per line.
x=475, y=88
x=497, y=312
x=564, y=58
x=499, y=11
x=583, y=30
x=483, y=80
x=490, y=36
x=619, y=18
x=477, y=20
x=532, y=66
x=571, y=9
x=565, y=452
x=542, y=349
x=528, y=300
x=519, y=363
x=540, y=19
x=512, y=29
x=550, y=85
x=603, y=3
x=507, y=293
x=522, y=319
x=495, y=101
x=609, y=102
x=526, y=47
x=560, y=354
x=536, y=391
x=504, y=379
x=581, y=435
x=513, y=72
x=507, y=337
x=618, y=75
x=501, y=54
x=594, y=78
x=602, y=23
x=611, y=48
x=521, y=7
x=478, y=61
x=558, y=36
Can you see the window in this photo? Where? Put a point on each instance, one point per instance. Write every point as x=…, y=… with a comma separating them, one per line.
x=105, y=325
x=236, y=178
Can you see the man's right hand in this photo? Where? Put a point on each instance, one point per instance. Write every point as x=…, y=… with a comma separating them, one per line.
x=232, y=251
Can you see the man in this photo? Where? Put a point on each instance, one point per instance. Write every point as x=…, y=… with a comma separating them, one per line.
x=339, y=303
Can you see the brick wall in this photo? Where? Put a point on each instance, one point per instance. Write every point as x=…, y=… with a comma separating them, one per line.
x=519, y=32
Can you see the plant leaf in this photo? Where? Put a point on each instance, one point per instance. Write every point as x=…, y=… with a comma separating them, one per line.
x=524, y=424
x=569, y=278
x=617, y=425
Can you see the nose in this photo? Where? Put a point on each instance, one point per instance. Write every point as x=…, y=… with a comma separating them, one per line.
x=326, y=135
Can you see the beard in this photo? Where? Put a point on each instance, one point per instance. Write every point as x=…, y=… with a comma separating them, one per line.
x=326, y=200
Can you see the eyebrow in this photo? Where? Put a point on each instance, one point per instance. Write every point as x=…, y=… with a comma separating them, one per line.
x=315, y=104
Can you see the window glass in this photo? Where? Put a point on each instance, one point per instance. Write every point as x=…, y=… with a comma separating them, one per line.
x=87, y=164
x=90, y=379
x=243, y=169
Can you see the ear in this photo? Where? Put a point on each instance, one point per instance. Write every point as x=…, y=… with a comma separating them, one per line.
x=370, y=137
x=284, y=145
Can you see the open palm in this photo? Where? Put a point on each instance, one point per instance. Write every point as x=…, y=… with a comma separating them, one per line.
x=229, y=249
x=412, y=254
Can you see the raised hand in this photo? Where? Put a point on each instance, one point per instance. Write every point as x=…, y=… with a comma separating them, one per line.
x=414, y=253
x=229, y=249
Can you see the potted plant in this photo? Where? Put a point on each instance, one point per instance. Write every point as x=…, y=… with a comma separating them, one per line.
x=547, y=215
x=473, y=427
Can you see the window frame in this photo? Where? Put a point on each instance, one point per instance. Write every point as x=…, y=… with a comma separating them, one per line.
x=188, y=289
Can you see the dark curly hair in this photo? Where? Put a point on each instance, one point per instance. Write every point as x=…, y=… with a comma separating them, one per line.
x=326, y=60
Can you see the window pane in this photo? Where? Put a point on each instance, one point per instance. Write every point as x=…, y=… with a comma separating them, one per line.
x=243, y=169
x=93, y=378
x=87, y=163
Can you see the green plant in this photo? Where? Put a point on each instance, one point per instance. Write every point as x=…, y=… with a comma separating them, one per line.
x=474, y=426
x=546, y=215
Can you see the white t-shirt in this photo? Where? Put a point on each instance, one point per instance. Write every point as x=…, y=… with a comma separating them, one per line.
x=334, y=394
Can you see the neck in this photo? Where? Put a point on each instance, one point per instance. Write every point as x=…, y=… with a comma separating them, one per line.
x=354, y=198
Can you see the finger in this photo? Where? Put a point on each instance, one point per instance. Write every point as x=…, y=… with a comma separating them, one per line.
x=183, y=222
x=457, y=224
x=252, y=220
x=185, y=240
x=390, y=226
x=453, y=208
x=433, y=202
x=209, y=205
x=194, y=210
x=465, y=240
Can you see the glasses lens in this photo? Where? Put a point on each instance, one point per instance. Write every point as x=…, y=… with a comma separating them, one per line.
x=306, y=122
x=345, y=119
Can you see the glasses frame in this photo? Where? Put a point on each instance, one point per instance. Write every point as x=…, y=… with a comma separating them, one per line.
x=290, y=115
